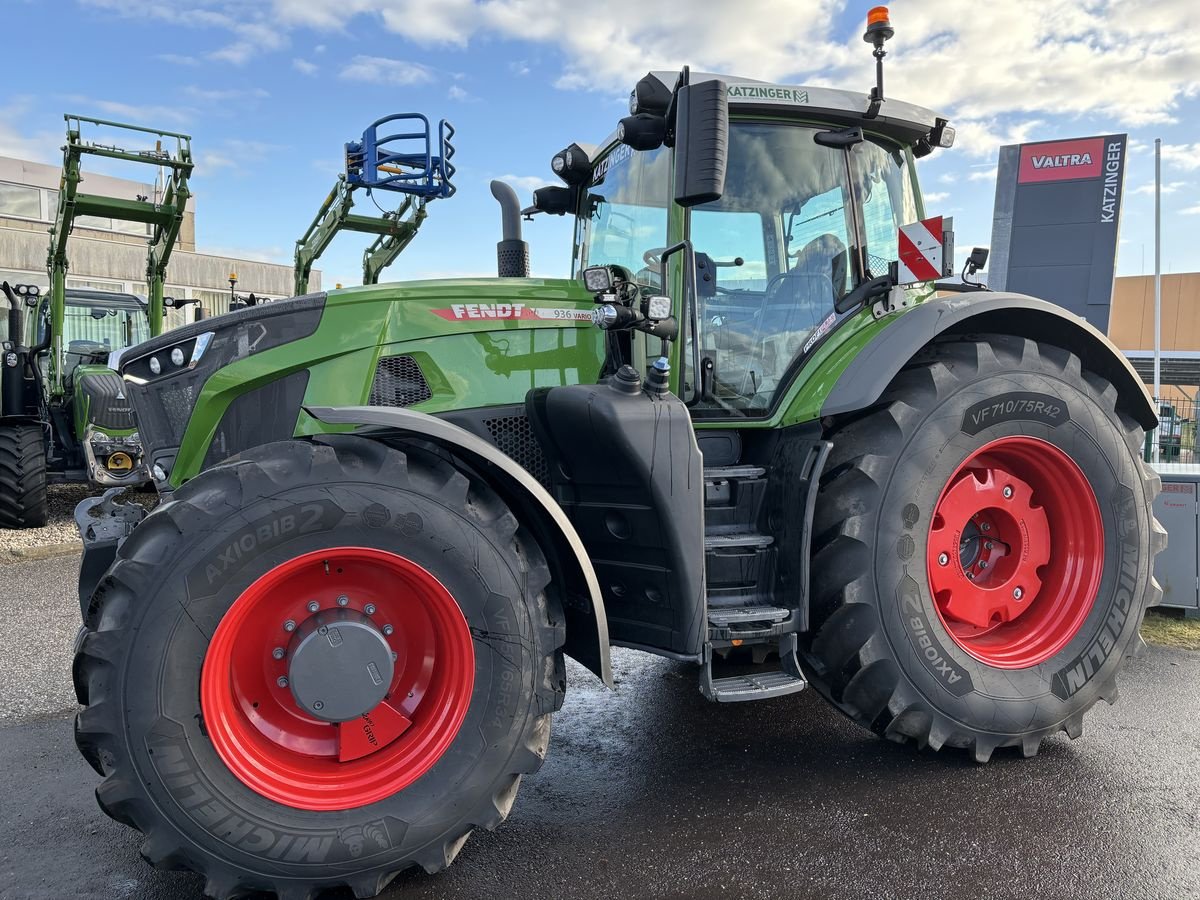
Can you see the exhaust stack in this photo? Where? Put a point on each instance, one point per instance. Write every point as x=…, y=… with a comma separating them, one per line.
x=512, y=253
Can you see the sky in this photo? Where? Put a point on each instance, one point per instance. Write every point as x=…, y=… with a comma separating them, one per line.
x=270, y=90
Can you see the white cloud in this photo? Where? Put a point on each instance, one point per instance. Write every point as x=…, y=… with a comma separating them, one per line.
x=380, y=70
x=136, y=114
x=23, y=143
x=524, y=183
x=983, y=138
x=935, y=196
x=457, y=93
x=1169, y=187
x=205, y=95
x=983, y=174
x=255, y=254
x=1182, y=156
x=1054, y=59
x=304, y=67
x=233, y=154
x=1191, y=210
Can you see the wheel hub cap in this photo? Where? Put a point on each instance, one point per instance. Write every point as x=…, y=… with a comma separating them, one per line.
x=339, y=665
x=337, y=678
x=1015, y=552
x=989, y=525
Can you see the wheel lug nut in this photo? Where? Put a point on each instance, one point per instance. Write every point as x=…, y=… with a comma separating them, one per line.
x=282, y=681
x=988, y=545
x=388, y=629
x=313, y=605
x=984, y=526
x=971, y=576
x=343, y=600
x=369, y=609
x=983, y=564
x=279, y=653
x=289, y=625
x=1008, y=492
x=943, y=559
x=1018, y=593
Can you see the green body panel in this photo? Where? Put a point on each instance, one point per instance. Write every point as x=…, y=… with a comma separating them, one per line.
x=480, y=342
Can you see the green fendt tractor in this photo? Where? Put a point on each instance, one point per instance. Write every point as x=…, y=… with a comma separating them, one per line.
x=389, y=511
x=65, y=416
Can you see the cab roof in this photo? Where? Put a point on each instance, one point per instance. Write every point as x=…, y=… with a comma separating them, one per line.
x=901, y=121
x=106, y=299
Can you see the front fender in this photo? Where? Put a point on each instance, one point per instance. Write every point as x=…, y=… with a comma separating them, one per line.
x=583, y=605
x=868, y=375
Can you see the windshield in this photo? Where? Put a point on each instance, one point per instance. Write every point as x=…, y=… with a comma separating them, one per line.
x=92, y=332
x=780, y=247
x=625, y=217
x=95, y=327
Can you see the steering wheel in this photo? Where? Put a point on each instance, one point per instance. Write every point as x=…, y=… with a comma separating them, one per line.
x=814, y=265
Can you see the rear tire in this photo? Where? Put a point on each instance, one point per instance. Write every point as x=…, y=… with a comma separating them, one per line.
x=145, y=669
x=1021, y=663
x=23, y=499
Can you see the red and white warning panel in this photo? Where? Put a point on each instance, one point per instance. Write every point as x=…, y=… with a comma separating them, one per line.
x=926, y=250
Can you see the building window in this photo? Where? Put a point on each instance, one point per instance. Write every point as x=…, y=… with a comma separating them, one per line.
x=20, y=200
x=116, y=287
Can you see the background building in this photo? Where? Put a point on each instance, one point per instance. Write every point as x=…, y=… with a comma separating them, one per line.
x=111, y=255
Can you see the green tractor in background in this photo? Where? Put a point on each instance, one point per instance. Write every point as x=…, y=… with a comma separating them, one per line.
x=65, y=415
x=389, y=512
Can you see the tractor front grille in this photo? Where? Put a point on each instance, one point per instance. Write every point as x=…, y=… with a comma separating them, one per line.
x=514, y=436
x=399, y=381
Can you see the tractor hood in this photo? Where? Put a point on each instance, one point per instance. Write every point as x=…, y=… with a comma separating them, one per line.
x=205, y=390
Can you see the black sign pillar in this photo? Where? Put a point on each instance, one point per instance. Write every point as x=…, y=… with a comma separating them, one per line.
x=1057, y=220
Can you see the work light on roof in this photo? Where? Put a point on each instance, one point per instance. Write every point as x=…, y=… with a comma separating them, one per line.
x=572, y=165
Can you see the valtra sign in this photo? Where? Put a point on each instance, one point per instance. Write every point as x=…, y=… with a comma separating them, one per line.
x=1055, y=227
x=1061, y=160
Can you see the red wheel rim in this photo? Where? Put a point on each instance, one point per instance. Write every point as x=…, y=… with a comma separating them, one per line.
x=1016, y=552
x=281, y=750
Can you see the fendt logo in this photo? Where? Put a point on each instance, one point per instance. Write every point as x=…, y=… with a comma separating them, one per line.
x=1061, y=160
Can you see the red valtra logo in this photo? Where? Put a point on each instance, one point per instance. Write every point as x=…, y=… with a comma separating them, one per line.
x=1061, y=160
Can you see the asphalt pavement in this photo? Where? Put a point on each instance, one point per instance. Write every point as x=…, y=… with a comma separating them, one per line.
x=650, y=791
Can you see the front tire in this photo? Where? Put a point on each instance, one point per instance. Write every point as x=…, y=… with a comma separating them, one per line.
x=224, y=751
x=24, y=502
x=984, y=549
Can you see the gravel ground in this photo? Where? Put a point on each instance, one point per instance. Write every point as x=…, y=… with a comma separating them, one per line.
x=60, y=529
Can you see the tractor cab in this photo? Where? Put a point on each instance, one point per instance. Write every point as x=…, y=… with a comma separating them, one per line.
x=810, y=209
x=96, y=324
x=97, y=327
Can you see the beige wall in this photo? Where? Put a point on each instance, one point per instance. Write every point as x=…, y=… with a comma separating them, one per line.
x=1131, y=322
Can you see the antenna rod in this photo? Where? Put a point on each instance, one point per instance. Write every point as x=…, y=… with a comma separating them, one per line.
x=879, y=30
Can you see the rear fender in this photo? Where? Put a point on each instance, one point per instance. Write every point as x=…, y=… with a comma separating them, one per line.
x=868, y=375
x=583, y=605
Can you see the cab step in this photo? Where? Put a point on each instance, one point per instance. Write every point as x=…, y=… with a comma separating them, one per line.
x=755, y=685
x=737, y=540
x=723, y=618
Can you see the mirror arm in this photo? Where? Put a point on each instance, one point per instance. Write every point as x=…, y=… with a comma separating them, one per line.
x=864, y=292
x=693, y=313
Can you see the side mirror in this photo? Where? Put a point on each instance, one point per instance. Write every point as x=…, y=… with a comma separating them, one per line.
x=701, y=142
x=556, y=201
